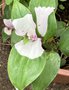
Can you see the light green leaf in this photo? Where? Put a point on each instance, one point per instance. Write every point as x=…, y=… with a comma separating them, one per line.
x=46, y=3
x=19, y=10
x=64, y=42
x=52, y=27
x=52, y=21
x=8, y=2
x=56, y=3
x=23, y=71
x=49, y=72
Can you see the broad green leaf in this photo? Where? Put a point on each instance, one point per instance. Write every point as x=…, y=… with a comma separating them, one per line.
x=52, y=27
x=64, y=42
x=15, y=38
x=48, y=74
x=36, y=3
x=52, y=21
x=56, y=3
x=19, y=10
x=8, y=2
x=23, y=71
x=61, y=28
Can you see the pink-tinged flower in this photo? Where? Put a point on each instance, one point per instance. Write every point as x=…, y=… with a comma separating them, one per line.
x=26, y=26
x=8, y=23
x=8, y=26
x=32, y=37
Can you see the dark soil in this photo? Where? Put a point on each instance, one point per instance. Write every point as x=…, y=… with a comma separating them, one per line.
x=63, y=14
x=4, y=80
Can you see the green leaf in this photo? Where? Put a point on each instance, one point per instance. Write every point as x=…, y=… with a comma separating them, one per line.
x=52, y=21
x=64, y=43
x=67, y=28
x=7, y=12
x=27, y=1
x=24, y=2
x=4, y=37
x=52, y=27
x=56, y=3
x=61, y=28
x=23, y=71
x=15, y=38
x=19, y=10
x=46, y=3
x=63, y=62
x=49, y=72
x=8, y=2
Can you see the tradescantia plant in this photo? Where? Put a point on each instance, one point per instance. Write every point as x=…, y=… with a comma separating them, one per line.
x=30, y=27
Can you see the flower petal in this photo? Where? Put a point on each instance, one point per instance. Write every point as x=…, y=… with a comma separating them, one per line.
x=24, y=25
x=31, y=49
x=42, y=14
x=7, y=31
x=16, y=88
x=8, y=23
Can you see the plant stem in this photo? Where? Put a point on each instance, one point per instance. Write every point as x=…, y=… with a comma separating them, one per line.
x=3, y=6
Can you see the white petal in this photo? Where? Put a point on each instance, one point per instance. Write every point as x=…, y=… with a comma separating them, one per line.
x=42, y=14
x=16, y=88
x=7, y=31
x=31, y=50
x=8, y=23
x=24, y=25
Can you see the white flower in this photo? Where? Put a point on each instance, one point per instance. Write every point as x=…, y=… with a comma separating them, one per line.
x=7, y=31
x=27, y=26
x=24, y=25
x=31, y=49
x=16, y=88
x=8, y=23
x=42, y=14
x=9, y=26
